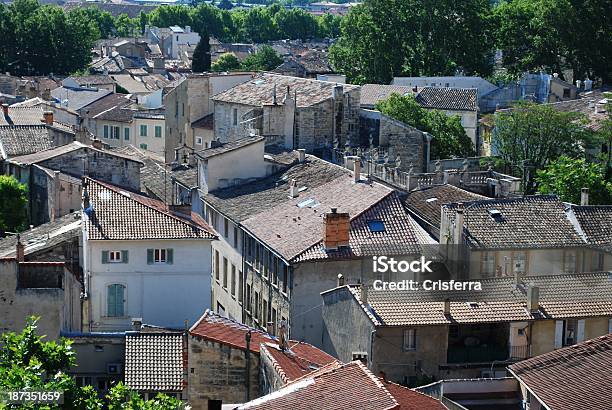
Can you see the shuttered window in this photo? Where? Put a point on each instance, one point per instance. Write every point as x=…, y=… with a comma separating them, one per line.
x=115, y=256
x=115, y=300
x=160, y=255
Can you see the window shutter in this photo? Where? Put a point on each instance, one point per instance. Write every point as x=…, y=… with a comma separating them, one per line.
x=104, y=256
x=580, y=331
x=124, y=256
x=119, y=300
x=149, y=256
x=169, y=256
x=558, y=334
x=110, y=301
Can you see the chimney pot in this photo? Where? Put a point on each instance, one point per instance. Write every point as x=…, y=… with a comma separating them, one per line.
x=301, y=155
x=96, y=143
x=356, y=169
x=136, y=323
x=340, y=280
x=48, y=117
x=270, y=328
x=533, y=298
x=19, y=250
x=293, y=191
x=584, y=196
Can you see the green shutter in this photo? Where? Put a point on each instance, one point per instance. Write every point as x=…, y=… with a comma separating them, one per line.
x=169, y=256
x=126, y=133
x=149, y=256
x=104, y=256
x=124, y=256
x=111, y=303
x=119, y=300
x=106, y=131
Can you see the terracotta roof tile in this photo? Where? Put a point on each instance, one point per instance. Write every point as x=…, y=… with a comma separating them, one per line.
x=122, y=215
x=301, y=359
x=409, y=399
x=573, y=377
x=373, y=93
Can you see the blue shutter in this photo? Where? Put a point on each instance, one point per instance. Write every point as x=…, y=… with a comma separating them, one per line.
x=169, y=256
x=104, y=256
x=149, y=256
x=124, y=256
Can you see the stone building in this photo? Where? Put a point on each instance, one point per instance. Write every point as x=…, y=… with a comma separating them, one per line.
x=45, y=289
x=188, y=103
x=414, y=336
x=290, y=112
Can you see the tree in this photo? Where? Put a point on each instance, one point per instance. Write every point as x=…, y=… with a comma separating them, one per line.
x=565, y=177
x=265, y=59
x=126, y=26
x=166, y=16
x=29, y=362
x=529, y=136
x=259, y=25
x=13, y=201
x=200, y=61
x=296, y=23
x=449, y=137
x=329, y=25
x=225, y=5
x=381, y=39
x=226, y=62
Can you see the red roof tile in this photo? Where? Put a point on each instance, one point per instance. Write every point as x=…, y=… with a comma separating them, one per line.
x=575, y=377
x=301, y=359
x=413, y=400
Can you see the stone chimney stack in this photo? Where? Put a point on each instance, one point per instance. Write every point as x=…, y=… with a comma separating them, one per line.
x=364, y=294
x=96, y=143
x=584, y=196
x=302, y=155
x=282, y=335
x=19, y=250
x=447, y=307
x=274, y=95
x=459, y=219
x=5, y=108
x=340, y=280
x=533, y=298
x=337, y=226
x=356, y=169
x=293, y=190
x=137, y=323
x=48, y=117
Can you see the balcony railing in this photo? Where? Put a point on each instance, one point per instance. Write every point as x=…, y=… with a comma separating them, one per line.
x=519, y=352
x=476, y=354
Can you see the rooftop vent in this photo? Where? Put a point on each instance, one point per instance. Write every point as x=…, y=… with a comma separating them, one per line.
x=310, y=203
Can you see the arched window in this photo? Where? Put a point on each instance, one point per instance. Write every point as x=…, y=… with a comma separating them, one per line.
x=115, y=300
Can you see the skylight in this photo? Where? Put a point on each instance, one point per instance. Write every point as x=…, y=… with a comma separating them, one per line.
x=430, y=200
x=310, y=203
x=496, y=215
x=376, y=225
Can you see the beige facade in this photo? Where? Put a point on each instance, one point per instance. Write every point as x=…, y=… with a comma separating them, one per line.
x=145, y=133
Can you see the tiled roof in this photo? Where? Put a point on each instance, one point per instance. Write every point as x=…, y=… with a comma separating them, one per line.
x=119, y=113
x=350, y=386
x=373, y=93
x=92, y=79
x=448, y=98
x=315, y=62
x=409, y=399
x=258, y=91
x=574, y=377
x=42, y=156
x=538, y=221
x=77, y=98
x=229, y=332
x=401, y=235
x=117, y=214
x=207, y=122
x=131, y=84
x=596, y=224
x=500, y=300
x=427, y=202
x=24, y=139
x=45, y=236
x=299, y=360
x=23, y=115
x=106, y=103
x=228, y=146
x=154, y=361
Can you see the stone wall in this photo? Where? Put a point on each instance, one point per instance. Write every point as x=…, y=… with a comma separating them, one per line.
x=218, y=372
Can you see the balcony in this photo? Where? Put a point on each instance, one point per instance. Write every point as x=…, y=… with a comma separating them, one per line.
x=519, y=352
x=476, y=354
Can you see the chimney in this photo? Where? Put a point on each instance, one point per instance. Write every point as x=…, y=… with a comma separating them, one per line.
x=336, y=230
x=188, y=29
x=293, y=190
x=96, y=143
x=19, y=250
x=340, y=280
x=447, y=307
x=383, y=376
x=584, y=196
x=578, y=84
x=282, y=335
x=302, y=155
x=588, y=85
x=356, y=169
x=533, y=298
x=274, y=95
x=48, y=117
x=459, y=218
x=270, y=328
x=5, y=109
x=415, y=89
x=136, y=323
x=364, y=294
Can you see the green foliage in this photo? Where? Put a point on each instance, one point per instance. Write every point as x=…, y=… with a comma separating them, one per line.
x=295, y=24
x=381, y=39
x=122, y=397
x=556, y=34
x=449, y=137
x=265, y=59
x=566, y=176
x=259, y=25
x=127, y=27
x=225, y=5
x=201, y=55
x=13, y=201
x=530, y=136
x=167, y=16
x=226, y=62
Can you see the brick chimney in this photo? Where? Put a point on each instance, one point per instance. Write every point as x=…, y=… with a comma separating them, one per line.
x=533, y=298
x=5, y=109
x=584, y=196
x=337, y=227
x=96, y=143
x=19, y=250
x=48, y=117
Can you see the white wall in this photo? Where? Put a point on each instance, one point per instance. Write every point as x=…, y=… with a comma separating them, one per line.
x=481, y=84
x=161, y=294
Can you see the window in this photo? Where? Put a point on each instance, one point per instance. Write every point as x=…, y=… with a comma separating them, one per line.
x=160, y=256
x=376, y=225
x=273, y=321
x=116, y=131
x=236, y=237
x=199, y=141
x=248, y=297
x=285, y=277
x=217, y=265
x=106, y=131
x=235, y=116
x=114, y=256
x=570, y=328
x=566, y=93
x=597, y=263
x=264, y=312
x=256, y=306
x=143, y=146
x=183, y=109
x=158, y=131
x=225, y=272
x=569, y=262
x=519, y=262
x=487, y=264
x=233, y=290
x=115, y=300
x=240, y=279
x=143, y=130
x=409, y=339
x=225, y=227
x=126, y=134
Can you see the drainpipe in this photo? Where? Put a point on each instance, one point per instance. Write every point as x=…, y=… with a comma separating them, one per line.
x=371, y=352
x=248, y=366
